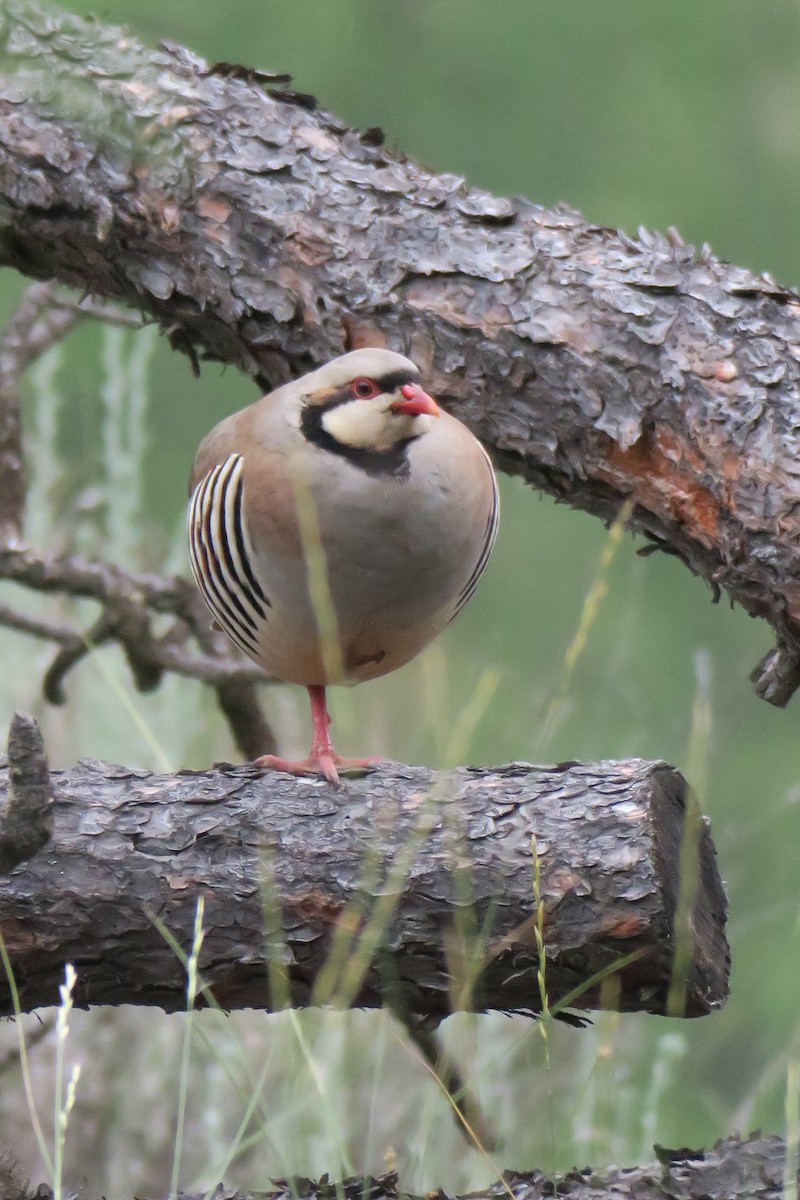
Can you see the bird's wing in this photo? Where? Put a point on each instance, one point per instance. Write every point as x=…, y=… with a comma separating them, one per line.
x=222, y=554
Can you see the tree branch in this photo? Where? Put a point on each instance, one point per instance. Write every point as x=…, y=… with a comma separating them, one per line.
x=26, y=818
x=260, y=231
x=129, y=601
x=408, y=888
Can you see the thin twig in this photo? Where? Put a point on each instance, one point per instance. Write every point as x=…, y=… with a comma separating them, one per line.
x=208, y=668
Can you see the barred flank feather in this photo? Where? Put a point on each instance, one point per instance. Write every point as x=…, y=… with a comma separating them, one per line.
x=222, y=557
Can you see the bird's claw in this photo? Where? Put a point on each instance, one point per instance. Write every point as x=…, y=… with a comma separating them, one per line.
x=322, y=762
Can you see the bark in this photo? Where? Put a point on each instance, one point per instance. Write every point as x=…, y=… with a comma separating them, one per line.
x=26, y=821
x=407, y=887
x=258, y=230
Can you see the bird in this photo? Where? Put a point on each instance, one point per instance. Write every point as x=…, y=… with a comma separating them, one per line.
x=336, y=526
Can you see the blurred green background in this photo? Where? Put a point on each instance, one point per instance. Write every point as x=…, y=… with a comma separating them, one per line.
x=683, y=114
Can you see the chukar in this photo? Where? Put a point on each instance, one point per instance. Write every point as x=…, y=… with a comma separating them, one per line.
x=336, y=526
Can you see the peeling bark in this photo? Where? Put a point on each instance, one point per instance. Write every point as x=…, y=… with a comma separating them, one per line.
x=258, y=230
x=449, y=856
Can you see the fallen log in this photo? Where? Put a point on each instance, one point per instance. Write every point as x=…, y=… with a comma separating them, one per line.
x=422, y=890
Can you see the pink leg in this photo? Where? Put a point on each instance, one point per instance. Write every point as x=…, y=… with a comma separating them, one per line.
x=322, y=758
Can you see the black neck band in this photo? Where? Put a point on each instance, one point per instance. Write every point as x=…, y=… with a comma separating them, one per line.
x=392, y=462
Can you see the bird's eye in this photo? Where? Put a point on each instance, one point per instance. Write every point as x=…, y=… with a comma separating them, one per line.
x=364, y=389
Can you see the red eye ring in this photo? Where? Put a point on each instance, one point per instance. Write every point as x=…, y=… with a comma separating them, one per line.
x=364, y=389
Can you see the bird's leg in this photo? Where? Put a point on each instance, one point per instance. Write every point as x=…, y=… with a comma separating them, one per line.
x=322, y=758
x=322, y=752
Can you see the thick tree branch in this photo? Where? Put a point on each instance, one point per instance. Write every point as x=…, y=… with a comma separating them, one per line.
x=260, y=231
x=407, y=888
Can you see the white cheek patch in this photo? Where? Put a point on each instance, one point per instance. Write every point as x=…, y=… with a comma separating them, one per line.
x=419, y=424
x=361, y=423
x=370, y=425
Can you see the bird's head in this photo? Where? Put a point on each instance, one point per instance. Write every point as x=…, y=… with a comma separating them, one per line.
x=367, y=405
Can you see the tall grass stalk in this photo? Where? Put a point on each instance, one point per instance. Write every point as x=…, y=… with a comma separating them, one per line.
x=319, y=589
x=689, y=857
x=467, y=945
x=792, y=1112
x=671, y=1049
x=63, y=1105
x=771, y=1077
x=471, y=715
x=462, y=1119
x=541, y=979
x=236, y=1145
x=348, y=930
x=332, y=1128
x=275, y=949
x=427, y=1112
x=252, y=1089
x=25, y=1064
x=183, y=1086
x=378, y=1057
x=701, y=727
x=127, y=702
x=570, y=1000
x=359, y=932
x=597, y=1053
x=589, y=614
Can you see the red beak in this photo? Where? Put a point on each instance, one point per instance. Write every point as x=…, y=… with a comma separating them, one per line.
x=416, y=402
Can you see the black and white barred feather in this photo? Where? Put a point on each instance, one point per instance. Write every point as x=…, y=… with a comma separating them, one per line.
x=222, y=555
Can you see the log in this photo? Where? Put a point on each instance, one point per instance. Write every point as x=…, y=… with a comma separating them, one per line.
x=406, y=887
x=259, y=230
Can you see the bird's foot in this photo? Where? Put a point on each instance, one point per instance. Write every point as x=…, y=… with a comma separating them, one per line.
x=321, y=762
